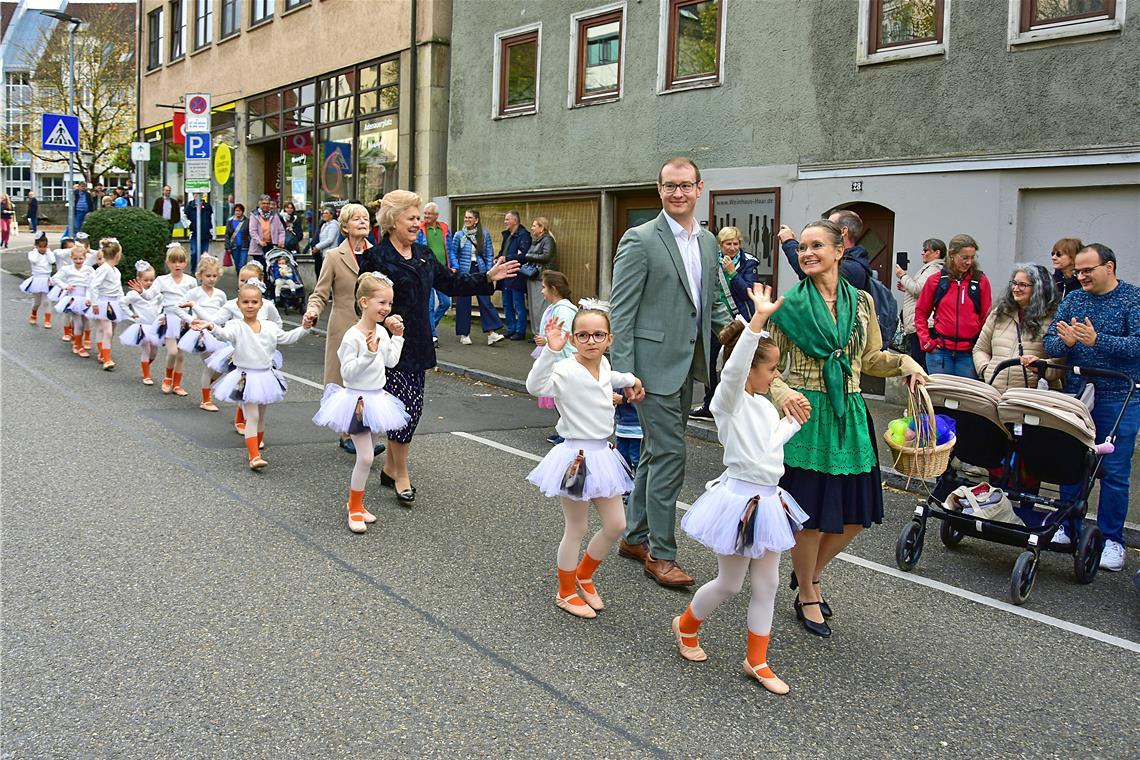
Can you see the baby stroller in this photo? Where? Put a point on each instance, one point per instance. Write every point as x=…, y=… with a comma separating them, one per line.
x=285, y=280
x=1030, y=435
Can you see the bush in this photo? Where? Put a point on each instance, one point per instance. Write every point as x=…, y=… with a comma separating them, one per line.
x=141, y=233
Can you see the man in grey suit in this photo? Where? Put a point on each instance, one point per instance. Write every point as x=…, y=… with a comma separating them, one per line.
x=664, y=309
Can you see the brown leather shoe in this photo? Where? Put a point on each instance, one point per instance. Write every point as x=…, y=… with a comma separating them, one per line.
x=667, y=572
x=639, y=552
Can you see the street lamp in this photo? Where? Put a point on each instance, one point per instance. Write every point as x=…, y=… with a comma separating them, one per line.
x=75, y=23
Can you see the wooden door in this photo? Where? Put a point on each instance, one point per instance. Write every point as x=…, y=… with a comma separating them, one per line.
x=632, y=209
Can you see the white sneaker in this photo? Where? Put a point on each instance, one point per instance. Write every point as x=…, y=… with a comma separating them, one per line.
x=465, y=340
x=1061, y=538
x=1112, y=558
x=494, y=337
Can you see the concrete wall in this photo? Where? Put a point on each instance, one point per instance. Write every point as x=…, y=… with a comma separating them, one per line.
x=792, y=94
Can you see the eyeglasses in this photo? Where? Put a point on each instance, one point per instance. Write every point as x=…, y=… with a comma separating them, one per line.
x=1087, y=271
x=1020, y=285
x=671, y=187
x=594, y=337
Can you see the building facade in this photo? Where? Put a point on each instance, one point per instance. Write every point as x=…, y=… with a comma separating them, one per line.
x=1017, y=121
x=314, y=101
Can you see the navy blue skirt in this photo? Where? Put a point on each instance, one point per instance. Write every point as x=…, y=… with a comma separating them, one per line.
x=835, y=501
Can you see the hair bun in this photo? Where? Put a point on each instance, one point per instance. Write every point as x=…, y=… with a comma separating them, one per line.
x=594, y=304
x=142, y=265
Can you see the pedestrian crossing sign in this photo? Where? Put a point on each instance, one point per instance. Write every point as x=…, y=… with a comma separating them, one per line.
x=60, y=132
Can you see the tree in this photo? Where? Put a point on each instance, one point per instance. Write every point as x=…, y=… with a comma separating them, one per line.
x=104, y=84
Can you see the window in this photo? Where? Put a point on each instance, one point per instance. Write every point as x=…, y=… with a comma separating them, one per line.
x=177, y=29
x=51, y=188
x=203, y=23
x=231, y=18
x=694, y=37
x=892, y=30
x=597, y=65
x=260, y=10
x=291, y=4
x=378, y=87
x=517, y=67
x=1037, y=20
x=154, y=39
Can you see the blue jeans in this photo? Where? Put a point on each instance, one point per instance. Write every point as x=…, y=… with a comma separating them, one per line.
x=438, y=304
x=942, y=361
x=514, y=308
x=239, y=255
x=1117, y=467
x=630, y=450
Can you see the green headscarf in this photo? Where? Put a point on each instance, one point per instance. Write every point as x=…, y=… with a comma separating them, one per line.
x=807, y=321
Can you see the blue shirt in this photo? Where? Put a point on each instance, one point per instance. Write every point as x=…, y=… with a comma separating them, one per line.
x=1116, y=318
x=81, y=202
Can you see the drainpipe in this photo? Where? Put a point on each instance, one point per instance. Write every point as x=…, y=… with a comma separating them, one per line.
x=413, y=61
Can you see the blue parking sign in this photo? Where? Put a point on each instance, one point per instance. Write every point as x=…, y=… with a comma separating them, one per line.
x=60, y=132
x=197, y=145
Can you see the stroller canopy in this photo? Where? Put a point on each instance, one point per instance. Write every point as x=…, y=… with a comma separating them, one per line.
x=1048, y=409
x=967, y=395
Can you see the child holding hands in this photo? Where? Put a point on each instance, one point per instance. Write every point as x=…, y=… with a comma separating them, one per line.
x=103, y=301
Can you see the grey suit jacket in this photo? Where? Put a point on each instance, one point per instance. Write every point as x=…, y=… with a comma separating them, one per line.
x=653, y=316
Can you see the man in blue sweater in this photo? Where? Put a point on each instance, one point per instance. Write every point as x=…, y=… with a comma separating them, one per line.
x=1099, y=326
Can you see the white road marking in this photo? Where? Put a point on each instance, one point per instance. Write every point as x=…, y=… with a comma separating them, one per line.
x=1064, y=625
x=303, y=380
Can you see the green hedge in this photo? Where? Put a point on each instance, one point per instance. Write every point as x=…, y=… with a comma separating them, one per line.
x=141, y=233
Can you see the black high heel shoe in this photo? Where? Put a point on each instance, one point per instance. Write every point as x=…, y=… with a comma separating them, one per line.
x=822, y=630
x=387, y=480
x=824, y=607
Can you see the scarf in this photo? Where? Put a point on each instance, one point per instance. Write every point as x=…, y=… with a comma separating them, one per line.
x=723, y=286
x=807, y=322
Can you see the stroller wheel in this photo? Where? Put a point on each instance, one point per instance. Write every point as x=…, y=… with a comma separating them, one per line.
x=1023, y=576
x=1086, y=559
x=950, y=536
x=909, y=546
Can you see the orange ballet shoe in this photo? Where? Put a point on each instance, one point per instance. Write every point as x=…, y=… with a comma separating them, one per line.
x=47, y=321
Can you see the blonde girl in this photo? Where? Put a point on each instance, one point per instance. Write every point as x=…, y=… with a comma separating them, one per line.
x=362, y=409
x=104, y=307
x=41, y=260
x=174, y=288
x=73, y=282
x=144, y=307
x=253, y=383
x=584, y=468
x=205, y=302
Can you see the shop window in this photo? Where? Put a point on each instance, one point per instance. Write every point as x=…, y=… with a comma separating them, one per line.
x=231, y=18
x=378, y=87
x=154, y=39
x=598, y=40
x=177, y=30
x=1036, y=20
x=693, y=42
x=335, y=164
x=891, y=30
x=203, y=23
x=260, y=10
x=517, y=63
x=377, y=151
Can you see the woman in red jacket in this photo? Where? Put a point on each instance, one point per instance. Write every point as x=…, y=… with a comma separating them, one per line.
x=959, y=298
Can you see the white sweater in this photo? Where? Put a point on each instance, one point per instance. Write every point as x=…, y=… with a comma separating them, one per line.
x=254, y=350
x=107, y=282
x=748, y=425
x=143, y=307
x=41, y=262
x=208, y=307
x=361, y=369
x=75, y=278
x=174, y=293
x=586, y=405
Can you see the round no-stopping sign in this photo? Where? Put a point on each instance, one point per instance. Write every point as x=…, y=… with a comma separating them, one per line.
x=197, y=105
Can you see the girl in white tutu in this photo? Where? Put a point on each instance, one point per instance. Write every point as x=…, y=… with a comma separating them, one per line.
x=253, y=382
x=362, y=408
x=143, y=306
x=174, y=288
x=208, y=303
x=73, y=282
x=62, y=258
x=745, y=518
x=583, y=468
x=39, y=283
x=104, y=307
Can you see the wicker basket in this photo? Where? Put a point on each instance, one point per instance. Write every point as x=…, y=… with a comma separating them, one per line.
x=921, y=458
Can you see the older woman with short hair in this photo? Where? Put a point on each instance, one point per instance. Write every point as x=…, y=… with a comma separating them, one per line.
x=415, y=271
x=1016, y=328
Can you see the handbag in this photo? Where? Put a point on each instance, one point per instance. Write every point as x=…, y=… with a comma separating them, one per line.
x=574, y=481
x=529, y=271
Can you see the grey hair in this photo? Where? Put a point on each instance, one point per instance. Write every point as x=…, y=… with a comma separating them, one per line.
x=1035, y=317
x=266, y=197
x=430, y=206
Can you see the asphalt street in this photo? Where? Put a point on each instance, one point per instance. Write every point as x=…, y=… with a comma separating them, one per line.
x=161, y=600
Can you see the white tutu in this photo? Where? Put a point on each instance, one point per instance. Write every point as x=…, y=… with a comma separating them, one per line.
x=607, y=474
x=200, y=342
x=55, y=293
x=714, y=518
x=219, y=361
x=37, y=283
x=262, y=386
x=134, y=335
x=169, y=325
x=382, y=411
x=150, y=332
x=71, y=304
x=118, y=311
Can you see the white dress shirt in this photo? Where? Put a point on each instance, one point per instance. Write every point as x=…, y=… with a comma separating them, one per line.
x=690, y=254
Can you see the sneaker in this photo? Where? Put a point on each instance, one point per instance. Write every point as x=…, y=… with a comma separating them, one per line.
x=701, y=413
x=465, y=340
x=1112, y=558
x=1061, y=538
x=493, y=338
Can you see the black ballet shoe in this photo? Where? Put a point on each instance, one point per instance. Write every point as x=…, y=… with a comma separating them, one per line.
x=824, y=607
x=822, y=630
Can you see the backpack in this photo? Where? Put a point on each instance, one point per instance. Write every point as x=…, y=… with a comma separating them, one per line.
x=886, y=307
x=974, y=290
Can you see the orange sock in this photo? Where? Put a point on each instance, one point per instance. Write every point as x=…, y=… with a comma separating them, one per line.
x=758, y=652
x=99, y=350
x=585, y=571
x=355, y=502
x=67, y=331
x=87, y=339
x=205, y=395
x=260, y=438
x=76, y=343
x=689, y=625
x=170, y=375
x=176, y=379
x=251, y=447
x=239, y=417
x=566, y=587
x=145, y=370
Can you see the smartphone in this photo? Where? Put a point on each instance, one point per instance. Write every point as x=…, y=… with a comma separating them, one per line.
x=902, y=258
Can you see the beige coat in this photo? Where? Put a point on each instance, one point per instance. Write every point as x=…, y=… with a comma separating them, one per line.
x=912, y=286
x=998, y=342
x=338, y=278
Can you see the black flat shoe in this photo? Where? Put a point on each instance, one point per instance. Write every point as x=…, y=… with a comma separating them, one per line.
x=824, y=607
x=387, y=480
x=822, y=630
x=348, y=446
x=378, y=449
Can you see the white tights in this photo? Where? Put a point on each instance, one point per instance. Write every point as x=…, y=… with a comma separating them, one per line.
x=612, y=513
x=208, y=375
x=104, y=330
x=254, y=419
x=728, y=582
x=174, y=358
x=149, y=351
x=365, y=444
x=38, y=301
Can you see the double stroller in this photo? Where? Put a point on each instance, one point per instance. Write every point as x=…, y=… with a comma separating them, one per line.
x=285, y=280
x=1015, y=440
